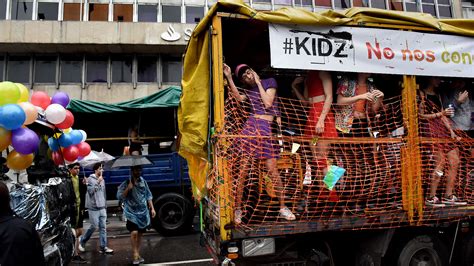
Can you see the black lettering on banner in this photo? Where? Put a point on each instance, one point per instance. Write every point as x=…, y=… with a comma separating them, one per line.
x=320, y=47
x=301, y=44
x=339, y=50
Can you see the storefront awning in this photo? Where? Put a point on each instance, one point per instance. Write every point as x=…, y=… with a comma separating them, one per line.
x=164, y=98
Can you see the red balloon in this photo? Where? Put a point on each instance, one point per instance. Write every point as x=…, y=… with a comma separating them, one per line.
x=68, y=121
x=71, y=153
x=41, y=99
x=57, y=158
x=84, y=149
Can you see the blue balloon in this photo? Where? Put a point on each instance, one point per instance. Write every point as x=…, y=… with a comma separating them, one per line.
x=25, y=140
x=76, y=136
x=65, y=140
x=53, y=144
x=12, y=116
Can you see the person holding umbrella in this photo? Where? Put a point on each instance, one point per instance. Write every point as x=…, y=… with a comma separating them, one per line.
x=137, y=200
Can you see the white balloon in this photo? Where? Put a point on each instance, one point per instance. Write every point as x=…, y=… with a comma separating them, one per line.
x=55, y=113
x=84, y=135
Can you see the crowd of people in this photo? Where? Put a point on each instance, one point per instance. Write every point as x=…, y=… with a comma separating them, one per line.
x=445, y=113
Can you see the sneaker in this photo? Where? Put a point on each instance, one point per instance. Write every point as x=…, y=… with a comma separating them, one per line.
x=78, y=260
x=106, y=250
x=453, y=200
x=138, y=261
x=238, y=216
x=434, y=201
x=286, y=214
x=81, y=246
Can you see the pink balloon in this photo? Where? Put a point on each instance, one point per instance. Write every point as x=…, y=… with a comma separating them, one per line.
x=71, y=153
x=84, y=149
x=68, y=121
x=41, y=99
x=30, y=111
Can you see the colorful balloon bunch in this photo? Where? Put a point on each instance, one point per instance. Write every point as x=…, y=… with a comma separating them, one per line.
x=16, y=113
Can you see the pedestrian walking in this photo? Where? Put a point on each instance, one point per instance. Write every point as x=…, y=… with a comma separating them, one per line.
x=78, y=214
x=96, y=206
x=137, y=200
x=19, y=242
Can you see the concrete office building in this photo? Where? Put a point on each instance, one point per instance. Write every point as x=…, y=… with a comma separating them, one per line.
x=117, y=50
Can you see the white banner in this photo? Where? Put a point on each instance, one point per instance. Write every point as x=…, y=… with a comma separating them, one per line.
x=370, y=50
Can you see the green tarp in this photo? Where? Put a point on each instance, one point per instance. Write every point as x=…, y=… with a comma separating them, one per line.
x=164, y=98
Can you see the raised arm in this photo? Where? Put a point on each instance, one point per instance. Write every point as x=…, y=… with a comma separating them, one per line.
x=268, y=96
x=233, y=89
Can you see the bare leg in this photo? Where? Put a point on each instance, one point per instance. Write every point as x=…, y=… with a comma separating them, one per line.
x=278, y=185
x=439, y=162
x=139, y=242
x=453, y=159
x=134, y=240
x=239, y=190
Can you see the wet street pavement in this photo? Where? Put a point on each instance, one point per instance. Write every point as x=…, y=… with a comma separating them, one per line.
x=155, y=249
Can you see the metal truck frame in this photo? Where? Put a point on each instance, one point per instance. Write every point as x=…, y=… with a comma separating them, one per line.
x=413, y=234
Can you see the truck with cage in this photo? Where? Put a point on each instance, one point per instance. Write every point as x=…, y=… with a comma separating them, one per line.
x=360, y=199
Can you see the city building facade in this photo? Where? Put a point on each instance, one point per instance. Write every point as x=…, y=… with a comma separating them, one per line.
x=117, y=50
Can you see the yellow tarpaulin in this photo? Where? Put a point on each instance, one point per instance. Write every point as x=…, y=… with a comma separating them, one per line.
x=193, y=110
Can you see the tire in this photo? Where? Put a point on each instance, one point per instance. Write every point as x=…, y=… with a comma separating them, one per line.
x=423, y=250
x=365, y=258
x=174, y=214
x=468, y=250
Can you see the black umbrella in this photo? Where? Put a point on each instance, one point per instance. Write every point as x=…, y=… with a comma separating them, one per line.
x=130, y=160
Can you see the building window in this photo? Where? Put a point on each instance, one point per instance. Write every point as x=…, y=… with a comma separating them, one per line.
x=98, y=12
x=468, y=9
x=146, y=69
x=147, y=13
x=171, y=14
x=194, y=14
x=360, y=3
x=171, y=69
x=303, y=3
x=342, y=4
x=262, y=1
x=18, y=69
x=22, y=9
x=378, y=4
x=444, y=8
x=97, y=69
x=71, y=69
x=72, y=12
x=2, y=66
x=429, y=7
x=47, y=11
x=3, y=9
x=283, y=2
x=411, y=6
x=122, y=68
x=123, y=12
x=323, y=3
x=45, y=69
x=396, y=5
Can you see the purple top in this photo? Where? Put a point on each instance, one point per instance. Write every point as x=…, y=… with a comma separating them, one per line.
x=256, y=102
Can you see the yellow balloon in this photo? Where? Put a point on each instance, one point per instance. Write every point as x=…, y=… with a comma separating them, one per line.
x=67, y=130
x=9, y=93
x=18, y=161
x=24, y=93
x=57, y=135
x=5, y=138
x=30, y=111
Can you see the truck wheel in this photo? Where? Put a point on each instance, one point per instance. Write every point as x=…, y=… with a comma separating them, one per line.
x=423, y=250
x=174, y=214
x=468, y=250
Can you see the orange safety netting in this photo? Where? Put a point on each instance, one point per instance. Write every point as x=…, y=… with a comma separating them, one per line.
x=371, y=177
